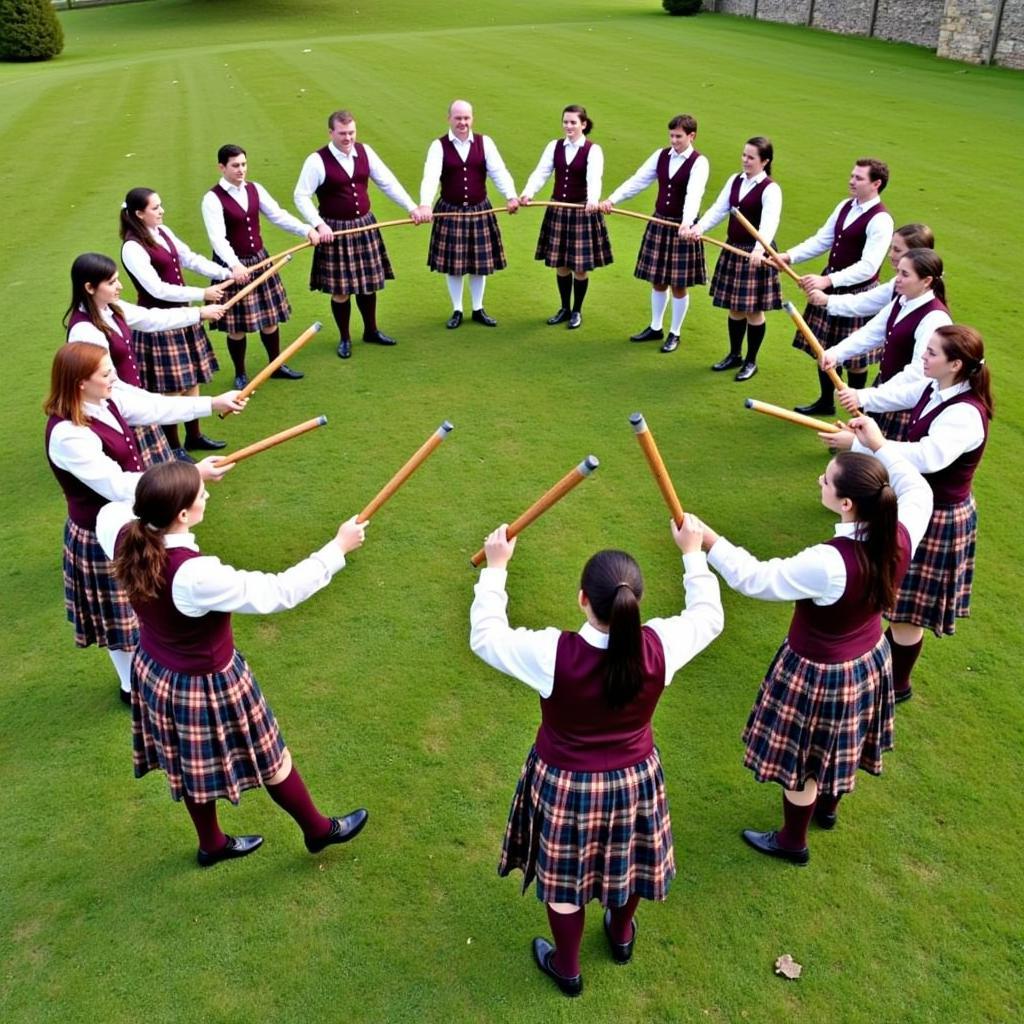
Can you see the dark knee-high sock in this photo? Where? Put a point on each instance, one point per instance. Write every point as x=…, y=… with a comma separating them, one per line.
x=342, y=313
x=827, y=803
x=621, y=924
x=272, y=343
x=828, y=389
x=755, y=335
x=172, y=435
x=564, y=290
x=236, y=349
x=904, y=657
x=192, y=431
x=204, y=820
x=368, y=311
x=793, y=834
x=293, y=797
x=857, y=379
x=737, y=328
x=567, y=931
x=579, y=293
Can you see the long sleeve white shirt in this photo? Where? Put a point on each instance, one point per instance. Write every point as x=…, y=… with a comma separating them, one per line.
x=529, y=654
x=137, y=262
x=647, y=174
x=496, y=169
x=138, y=318
x=862, y=303
x=546, y=166
x=771, y=206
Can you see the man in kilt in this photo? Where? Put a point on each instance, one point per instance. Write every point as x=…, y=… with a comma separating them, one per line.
x=356, y=264
x=856, y=237
x=461, y=161
x=665, y=259
x=231, y=212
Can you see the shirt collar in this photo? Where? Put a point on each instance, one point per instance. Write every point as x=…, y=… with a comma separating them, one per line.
x=847, y=530
x=228, y=187
x=861, y=207
x=181, y=540
x=454, y=138
x=908, y=304
x=573, y=145
x=338, y=153
x=673, y=155
x=91, y=409
x=945, y=394
x=593, y=636
x=756, y=178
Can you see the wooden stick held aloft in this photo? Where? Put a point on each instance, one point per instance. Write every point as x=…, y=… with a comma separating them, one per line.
x=279, y=256
x=816, y=347
x=256, y=282
x=654, y=460
x=793, y=417
x=766, y=245
x=274, y=439
x=575, y=476
x=672, y=224
x=417, y=459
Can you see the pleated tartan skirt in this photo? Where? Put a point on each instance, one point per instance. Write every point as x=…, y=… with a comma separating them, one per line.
x=152, y=444
x=465, y=245
x=737, y=285
x=894, y=425
x=573, y=239
x=170, y=362
x=830, y=330
x=665, y=258
x=352, y=264
x=263, y=308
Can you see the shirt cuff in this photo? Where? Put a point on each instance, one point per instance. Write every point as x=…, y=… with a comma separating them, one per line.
x=332, y=556
x=695, y=561
x=493, y=579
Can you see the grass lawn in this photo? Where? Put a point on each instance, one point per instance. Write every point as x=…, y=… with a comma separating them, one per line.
x=908, y=911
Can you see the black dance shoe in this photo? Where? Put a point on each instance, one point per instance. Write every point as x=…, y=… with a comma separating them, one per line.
x=480, y=317
x=730, y=362
x=575, y=320
x=379, y=338
x=747, y=370
x=768, y=844
x=455, y=320
x=648, y=334
x=285, y=372
x=236, y=846
x=817, y=408
x=241, y=379
x=202, y=443
x=622, y=952
x=671, y=343
x=825, y=819
x=182, y=456
x=560, y=317
x=344, y=349
x=542, y=953
x=342, y=830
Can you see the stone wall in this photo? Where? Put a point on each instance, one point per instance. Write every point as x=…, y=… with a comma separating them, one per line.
x=910, y=21
x=849, y=17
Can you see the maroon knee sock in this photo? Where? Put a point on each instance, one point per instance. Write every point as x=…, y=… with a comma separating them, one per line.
x=567, y=931
x=272, y=343
x=342, y=312
x=904, y=657
x=204, y=818
x=793, y=834
x=827, y=803
x=236, y=349
x=292, y=796
x=621, y=924
x=368, y=311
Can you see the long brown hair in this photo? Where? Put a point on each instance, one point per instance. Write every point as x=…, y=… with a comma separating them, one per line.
x=928, y=263
x=131, y=228
x=961, y=342
x=162, y=492
x=916, y=236
x=73, y=364
x=91, y=268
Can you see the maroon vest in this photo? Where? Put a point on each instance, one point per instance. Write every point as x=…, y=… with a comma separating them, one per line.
x=339, y=196
x=571, y=179
x=672, y=191
x=83, y=502
x=579, y=731
x=899, y=337
x=120, y=343
x=952, y=484
x=851, y=627
x=242, y=226
x=168, y=269
x=848, y=245
x=750, y=207
x=463, y=184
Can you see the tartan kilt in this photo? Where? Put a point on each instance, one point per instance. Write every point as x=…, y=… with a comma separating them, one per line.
x=94, y=602
x=152, y=444
x=262, y=308
x=830, y=330
x=821, y=721
x=664, y=258
x=173, y=361
x=213, y=734
x=739, y=286
x=936, y=590
x=591, y=835
x=573, y=239
x=893, y=424
x=352, y=264
x=465, y=245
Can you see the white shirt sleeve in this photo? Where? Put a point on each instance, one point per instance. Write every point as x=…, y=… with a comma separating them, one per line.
x=817, y=572
x=541, y=173
x=861, y=303
x=644, y=176
x=139, y=318
x=278, y=215
x=382, y=177
x=595, y=173
x=913, y=495
x=497, y=171
x=79, y=451
x=431, y=173
x=865, y=338
x=891, y=396
x=195, y=262
x=141, y=408
x=955, y=430
x=216, y=229
x=86, y=331
x=140, y=267
x=311, y=177
x=719, y=209
x=914, y=370
x=695, y=189
x=110, y=520
x=876, y=245
x=771, y=212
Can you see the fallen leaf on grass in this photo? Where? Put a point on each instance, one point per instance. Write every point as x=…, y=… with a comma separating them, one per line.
x=788, y=967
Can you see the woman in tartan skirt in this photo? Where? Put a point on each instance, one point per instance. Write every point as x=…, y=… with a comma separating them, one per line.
x=197, y=712
x=97, y=314
x=949, y=414
x=745, y=286
x=171, y=362
x=91, y=448
x=825, y=706
x=573, y=241
x=590, y=819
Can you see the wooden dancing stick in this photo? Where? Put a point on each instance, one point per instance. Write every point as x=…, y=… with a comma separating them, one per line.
x=279, y=256
x=794, y=417
x=661, y=477
x=575, y=476
x=469, y=213
x=370, y=227
x=269, y=272
x=672, y=224
x=274, y=439
x=417, y=459
x=816, y=347
x=556, y=204
x=766, y=245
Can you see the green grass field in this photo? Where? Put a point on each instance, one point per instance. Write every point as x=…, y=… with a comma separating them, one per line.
x=910, y=911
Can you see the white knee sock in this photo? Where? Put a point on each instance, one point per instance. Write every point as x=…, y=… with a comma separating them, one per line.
x=659, y=300
x=477, y=283
x=455, y=290
x=679, y=308
x=123, y=665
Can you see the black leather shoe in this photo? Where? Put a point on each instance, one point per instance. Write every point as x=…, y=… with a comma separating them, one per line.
x=768, y=843
x=825, y=820
x=559, y=318
x=730, y=362
x=455, y=320
x=622, y=952
x=575, y=320
x=202, y=443
x=818, y=408
x=182, y=456
x=480, y=317
x=903, y=695
x=237, y=846
x=344, y=349
x=542, y=953
x=747, y=370
x=125, y=695
x=648, y=334
x=342, y=830
x=671, y=343
x=379, y=338
x=241, y=380
x=285, y=372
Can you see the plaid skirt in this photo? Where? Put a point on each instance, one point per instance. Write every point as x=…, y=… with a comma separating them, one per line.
x=352, y=264
x=591, y=835
x=262, y=308
x=573, y=239
x=893, y=424
x=173, y=361
x=465, y=245
x=152, y=444
x=94, y=602
x=664, y=258
x=830, y=330
x=213, y=734
x=936, y=590
x=821, y=721
x=739, y=286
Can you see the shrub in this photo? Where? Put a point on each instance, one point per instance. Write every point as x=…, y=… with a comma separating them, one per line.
x=29, y=30
x=682, y=6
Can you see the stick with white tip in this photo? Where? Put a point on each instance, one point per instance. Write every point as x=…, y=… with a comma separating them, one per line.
x=654, y=460
x=766, y=245
x=254, y=284
x=269, y=442
x=793, y=417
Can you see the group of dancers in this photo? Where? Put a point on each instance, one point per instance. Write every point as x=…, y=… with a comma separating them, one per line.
x=590, y=817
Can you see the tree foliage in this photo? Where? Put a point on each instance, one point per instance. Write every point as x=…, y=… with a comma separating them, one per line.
x=29, y=30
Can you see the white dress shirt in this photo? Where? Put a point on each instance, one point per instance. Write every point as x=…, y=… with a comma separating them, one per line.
x=546, y=166
x=529, y=654
x=213, y=217
x=862, y=303
x=496, y=169
x=647, y=174
x=313, y=175
x=138, y=264
x=771, y=206
x=138, y=318
x=818, y=573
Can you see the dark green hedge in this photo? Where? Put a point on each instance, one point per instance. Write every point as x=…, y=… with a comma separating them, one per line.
x=29, y=30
